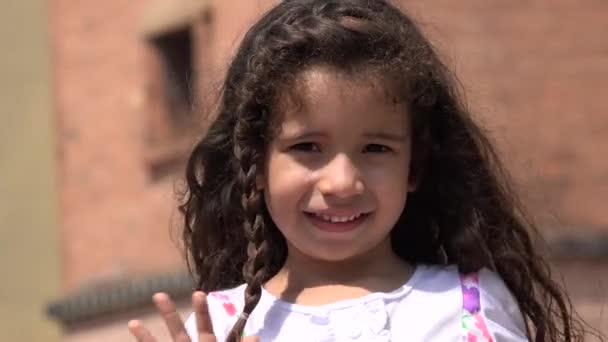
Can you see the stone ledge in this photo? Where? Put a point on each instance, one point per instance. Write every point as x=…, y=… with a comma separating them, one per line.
x=584, y=246
x=120, y=296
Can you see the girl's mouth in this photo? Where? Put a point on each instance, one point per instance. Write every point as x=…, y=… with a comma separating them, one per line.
x=336, y=223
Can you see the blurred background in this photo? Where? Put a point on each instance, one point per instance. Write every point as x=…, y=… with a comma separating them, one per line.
x=96, y=98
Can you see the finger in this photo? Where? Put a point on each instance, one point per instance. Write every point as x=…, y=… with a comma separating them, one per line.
x=174, y=323
x=250, y=339
x=141, y=334
x=201, y=312
x=206, y=337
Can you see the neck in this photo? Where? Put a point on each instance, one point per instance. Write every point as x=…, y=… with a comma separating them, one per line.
x=378, y=266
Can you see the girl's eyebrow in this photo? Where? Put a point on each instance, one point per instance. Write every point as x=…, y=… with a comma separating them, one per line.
x=303, y=135
x=370, y=135
x=385, y=136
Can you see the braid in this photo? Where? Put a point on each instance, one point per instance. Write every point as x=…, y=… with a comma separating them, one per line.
x=255, y=229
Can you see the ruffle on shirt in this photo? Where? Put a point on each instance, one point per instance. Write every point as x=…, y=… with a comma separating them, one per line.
x=364, y=322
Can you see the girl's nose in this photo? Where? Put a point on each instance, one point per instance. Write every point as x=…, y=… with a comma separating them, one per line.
x=341, y=178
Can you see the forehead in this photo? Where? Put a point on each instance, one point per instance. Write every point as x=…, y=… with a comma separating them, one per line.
x=323, y=94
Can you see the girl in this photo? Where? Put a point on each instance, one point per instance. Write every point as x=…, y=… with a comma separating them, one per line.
x=344, y=193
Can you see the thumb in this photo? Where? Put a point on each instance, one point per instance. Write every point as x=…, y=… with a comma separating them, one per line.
x=250, y=339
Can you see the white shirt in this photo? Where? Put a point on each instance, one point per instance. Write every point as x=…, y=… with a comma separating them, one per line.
x=430, y=306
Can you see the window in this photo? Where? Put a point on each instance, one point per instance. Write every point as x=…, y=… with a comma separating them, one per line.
x=175, y=51
x=171, y=90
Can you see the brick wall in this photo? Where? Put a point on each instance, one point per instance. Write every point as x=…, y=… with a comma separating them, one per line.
x=535, y=72
x=114, y=220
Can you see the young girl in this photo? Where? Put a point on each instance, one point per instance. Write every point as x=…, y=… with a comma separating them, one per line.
x=343, y=193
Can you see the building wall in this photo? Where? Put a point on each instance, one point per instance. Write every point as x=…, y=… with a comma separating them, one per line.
x=587, y=282
x=534, y=72
x=115, y=221
x=29, y=261
x=112, y=210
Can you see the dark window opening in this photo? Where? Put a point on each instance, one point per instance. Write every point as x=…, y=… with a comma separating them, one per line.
x=175, y=53
x=171, y=90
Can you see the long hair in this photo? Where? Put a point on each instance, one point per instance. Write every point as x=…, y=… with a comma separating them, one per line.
x=462, y=212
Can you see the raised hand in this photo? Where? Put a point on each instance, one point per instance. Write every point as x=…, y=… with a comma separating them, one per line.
x=174, y=323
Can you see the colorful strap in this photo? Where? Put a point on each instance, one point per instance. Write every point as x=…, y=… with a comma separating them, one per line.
x=473, y=323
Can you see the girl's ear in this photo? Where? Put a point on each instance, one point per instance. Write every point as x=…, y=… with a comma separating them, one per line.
x=414, y=175
x=413, y=179
x=412, y=185
x=260, y=182
x=418, y=160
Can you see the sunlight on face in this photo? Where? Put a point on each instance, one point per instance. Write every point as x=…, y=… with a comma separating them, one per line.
x=336, y=175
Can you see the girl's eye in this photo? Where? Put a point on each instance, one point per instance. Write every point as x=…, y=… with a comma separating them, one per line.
x=306, y=147
x=376, y=148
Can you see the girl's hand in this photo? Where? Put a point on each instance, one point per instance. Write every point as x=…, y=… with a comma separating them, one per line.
x=174, y=323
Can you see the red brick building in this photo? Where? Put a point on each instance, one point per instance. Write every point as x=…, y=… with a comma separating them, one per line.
x=127, y=73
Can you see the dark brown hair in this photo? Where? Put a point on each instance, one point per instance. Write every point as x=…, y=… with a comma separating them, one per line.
x=463, y=211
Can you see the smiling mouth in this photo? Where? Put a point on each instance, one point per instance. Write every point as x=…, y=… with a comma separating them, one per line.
x=336, y=223
x=337, y=219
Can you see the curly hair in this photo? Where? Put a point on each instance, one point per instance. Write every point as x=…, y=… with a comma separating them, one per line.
x=463, y=211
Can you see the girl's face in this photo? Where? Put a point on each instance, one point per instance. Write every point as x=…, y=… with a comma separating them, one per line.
x=336, y=175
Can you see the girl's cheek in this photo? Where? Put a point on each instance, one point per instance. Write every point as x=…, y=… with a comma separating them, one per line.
x=386, y=178
x=384, y=171
x=287, y=178
x=294, y=172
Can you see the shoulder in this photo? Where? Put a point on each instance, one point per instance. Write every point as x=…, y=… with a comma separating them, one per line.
x=436, y=279
x=224, y=308
x=446, y=272
x=486, y=309
x=490, y=311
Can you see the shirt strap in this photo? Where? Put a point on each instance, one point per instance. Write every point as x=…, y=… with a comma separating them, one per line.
x=473, y=322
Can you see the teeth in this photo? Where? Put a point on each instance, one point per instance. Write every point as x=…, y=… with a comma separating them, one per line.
x=338, y=219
